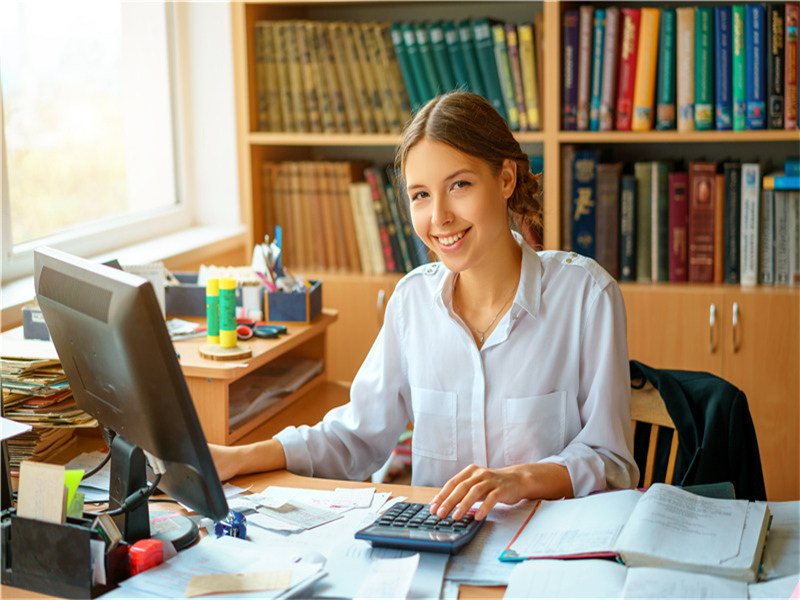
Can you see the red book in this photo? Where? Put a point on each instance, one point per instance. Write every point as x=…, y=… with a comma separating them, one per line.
x=790, y=64
x=702, y=200
x=629, y=48
x=678, y=226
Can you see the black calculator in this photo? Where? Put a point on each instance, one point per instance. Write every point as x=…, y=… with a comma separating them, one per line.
x=411, y=526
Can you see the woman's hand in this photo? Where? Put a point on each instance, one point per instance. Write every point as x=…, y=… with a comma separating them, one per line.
x=252, y=458
x=508, y=485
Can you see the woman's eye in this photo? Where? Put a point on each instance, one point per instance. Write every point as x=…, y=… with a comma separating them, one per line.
x=419, y=196
x=460, y=184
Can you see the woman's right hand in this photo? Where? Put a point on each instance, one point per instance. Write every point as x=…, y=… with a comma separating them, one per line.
x=251, y=458
x=226, y=460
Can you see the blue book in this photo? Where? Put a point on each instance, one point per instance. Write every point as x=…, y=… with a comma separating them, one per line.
x=597, y=68
x=755, y=39
x=584, y=202
x=569, y=79
x=723, y=59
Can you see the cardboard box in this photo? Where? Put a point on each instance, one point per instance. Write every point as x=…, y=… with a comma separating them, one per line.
x=293, y=307
x=189, y=299
x=33, y=325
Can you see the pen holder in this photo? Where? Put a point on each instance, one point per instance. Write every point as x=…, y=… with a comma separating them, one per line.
x=56, y=559
x=293, y=307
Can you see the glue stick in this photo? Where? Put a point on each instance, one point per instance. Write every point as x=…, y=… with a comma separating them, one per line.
x=212, y=310
x=227, y=312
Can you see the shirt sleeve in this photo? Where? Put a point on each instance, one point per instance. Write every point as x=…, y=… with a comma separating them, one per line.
x=601, y=455
x=354, y=440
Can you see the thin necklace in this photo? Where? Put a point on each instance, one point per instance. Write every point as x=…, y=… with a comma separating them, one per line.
x=458, y=308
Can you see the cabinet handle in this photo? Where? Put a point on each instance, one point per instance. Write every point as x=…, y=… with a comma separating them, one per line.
x=380, y=307
x=712, y=321
x=735, y=323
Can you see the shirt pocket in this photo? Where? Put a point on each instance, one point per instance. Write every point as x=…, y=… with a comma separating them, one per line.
x=434, y=423
x=533, y=427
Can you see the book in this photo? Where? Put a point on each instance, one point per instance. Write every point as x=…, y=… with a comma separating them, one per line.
x=607, y=236
x=484, y=50
x=389, y=101
x=723, y=60
x=404, y=62
x=704, y=68
x=379, y=97
x=685, y=55
x=529, y=70
x=333, y=38
x=678, y=226
x=425, y=54
x=441, y=56
x=751, y=192
x=345, y=174
x=538, y=40
x=383, y=218
x=666, y=99
x=503, y=65
x=296, y=88
x=513, y=44
x=369, y=223
x=732, y=172
x=331, y=78
x=719, y=228
x=644, y=220
x=282, y=67
x=627, y=228
x=776, y=71
x=420, y=254
x=791, y=62
x=627, y=67
x=781, y=216
x=327, y=105
x=467, y=39
x=608, y=91
x=395, y=76
x=766, y=238
x=702, y=196
x=415, y=61
x=362, y=87
x=644, y=89
x=584, y=202
x=259, y=50
x=585, y=30
x=458, y=62
x=664, y=526
x=755, y=61
x=310, y=89
x=659, y=228
x=793, y=233
x=779, y=181
x=738, y=67
x=569, y=76
x=598, y=47
x=567, y=160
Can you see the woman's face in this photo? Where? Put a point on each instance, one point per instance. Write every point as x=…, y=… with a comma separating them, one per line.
x=458, y=207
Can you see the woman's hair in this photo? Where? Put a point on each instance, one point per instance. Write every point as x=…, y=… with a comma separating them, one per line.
x=469, y=123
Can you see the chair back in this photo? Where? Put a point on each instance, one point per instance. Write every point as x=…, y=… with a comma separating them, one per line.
x=647, y=407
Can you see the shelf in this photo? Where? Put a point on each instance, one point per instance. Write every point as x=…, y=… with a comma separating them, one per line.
x=261, y=138
x=677, y=137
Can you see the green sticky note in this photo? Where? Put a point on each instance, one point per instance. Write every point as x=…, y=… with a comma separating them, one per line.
x=72, y=479
x=75, y=508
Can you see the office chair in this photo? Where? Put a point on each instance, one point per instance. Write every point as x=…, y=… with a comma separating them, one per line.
x=651, y=420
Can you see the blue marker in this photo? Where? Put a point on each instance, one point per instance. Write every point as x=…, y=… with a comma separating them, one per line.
x=278, y=241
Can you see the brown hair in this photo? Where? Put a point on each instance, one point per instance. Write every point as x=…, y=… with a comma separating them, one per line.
x=470, y=124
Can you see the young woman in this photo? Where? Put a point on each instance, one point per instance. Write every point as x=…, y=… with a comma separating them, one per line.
x=511, y=364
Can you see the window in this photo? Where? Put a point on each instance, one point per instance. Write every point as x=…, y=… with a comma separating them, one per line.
x=89, y=160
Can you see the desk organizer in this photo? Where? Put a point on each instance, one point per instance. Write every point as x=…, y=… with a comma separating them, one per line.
x=293, y=307
x=55, y=559
x=189, y=299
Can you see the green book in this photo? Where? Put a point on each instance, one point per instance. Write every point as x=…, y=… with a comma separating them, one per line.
x=484, y=48
x=435, y=84
x=665, y=81
x=704, y=69
x=456, y=52
x=441, y=56
x=644, y=223
x=659, y=230
x=415, y=61
x=405, y=65
x=738, y=75
x=467, y=39
x=503, y=62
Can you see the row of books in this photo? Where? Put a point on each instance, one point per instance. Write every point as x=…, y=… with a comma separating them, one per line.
x=705, y=67
x=710, y=222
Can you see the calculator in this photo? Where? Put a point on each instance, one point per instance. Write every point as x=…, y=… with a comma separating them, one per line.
x=411, y=526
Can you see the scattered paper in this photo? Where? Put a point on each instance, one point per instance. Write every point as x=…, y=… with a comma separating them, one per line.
x=378, y=501
x=389, y=578
x=204, y=585
x=353, y=498
x=302, y=515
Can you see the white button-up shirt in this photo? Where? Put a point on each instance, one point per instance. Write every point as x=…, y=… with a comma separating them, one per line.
x=550, y=384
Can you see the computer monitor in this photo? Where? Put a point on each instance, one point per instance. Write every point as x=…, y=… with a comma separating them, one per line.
x=111, y=338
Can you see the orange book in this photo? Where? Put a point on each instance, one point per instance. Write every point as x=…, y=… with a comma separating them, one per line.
x=644, y=89
x=327, y=199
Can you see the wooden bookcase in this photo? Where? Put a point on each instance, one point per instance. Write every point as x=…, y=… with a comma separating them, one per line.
x=666, y=321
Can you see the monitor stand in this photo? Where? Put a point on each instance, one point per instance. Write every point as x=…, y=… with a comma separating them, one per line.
x=129, y=474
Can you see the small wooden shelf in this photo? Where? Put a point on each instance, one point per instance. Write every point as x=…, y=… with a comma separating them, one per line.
x=677, y=137
x=260, y=138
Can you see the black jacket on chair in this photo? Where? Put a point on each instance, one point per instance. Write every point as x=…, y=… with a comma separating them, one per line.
x=716, y=437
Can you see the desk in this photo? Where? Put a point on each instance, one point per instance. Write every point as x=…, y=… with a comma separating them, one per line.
x=285, y=479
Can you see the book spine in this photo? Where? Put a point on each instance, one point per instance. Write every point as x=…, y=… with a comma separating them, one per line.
x=665, y=86
x=467, y=39
x=738, y=69
x=333, y=37
x=644, y=90
x=309, y=187
x=295, y=78
x=484, y=49
x=791, y=65
x=363, y=92
x=328, y=205
x=397, y=220
x=377, y=258
x=644, y=219
x=723, y=59
x=456, y=54
x=401, y=52
x=793, y=227
x=329, y=72
x=719, y=228
x=262, y=108
x=597, y=68
x=271, y=75
x=702, y=196
x=393, y=114
x=678, y=226
x=704, y=69
x=419, y=251
x=538, y=41
x=751, y=178
x=781, y=200
x=441, y=56
x=503, y=65
x=775, y=64
x=379, y=97
x=347, y=174
x=282, y=63
x=528, y=69
x=766, y=258
x=608, y=220
x=755, y=62
x=307, y=75
x=415, y=61
x=733, y=205
x=382, y=218
x=608, y=92
x=585, y=25
x=627, y=228
x=631, y=18
x=361, y=234
x=512, y=42
x=326, y=103
x=432, y=76
x=569, y=95
x=685, y=17
x=659, y=196
x=584, y=202
x=567, y=161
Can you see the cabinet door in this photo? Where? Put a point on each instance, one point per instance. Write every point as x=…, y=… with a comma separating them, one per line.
x=360, y=301
x=762, y=356
x=674, y=327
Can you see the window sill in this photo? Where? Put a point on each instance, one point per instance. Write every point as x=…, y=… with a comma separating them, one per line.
x=186, y=247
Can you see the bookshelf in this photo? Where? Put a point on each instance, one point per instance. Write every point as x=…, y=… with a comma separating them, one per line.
x=668, y=323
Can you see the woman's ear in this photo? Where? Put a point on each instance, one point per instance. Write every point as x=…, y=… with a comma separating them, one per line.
x=508, y=177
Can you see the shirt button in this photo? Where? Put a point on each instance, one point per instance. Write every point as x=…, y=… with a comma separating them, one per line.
x=569, y=260
x=573, y=255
